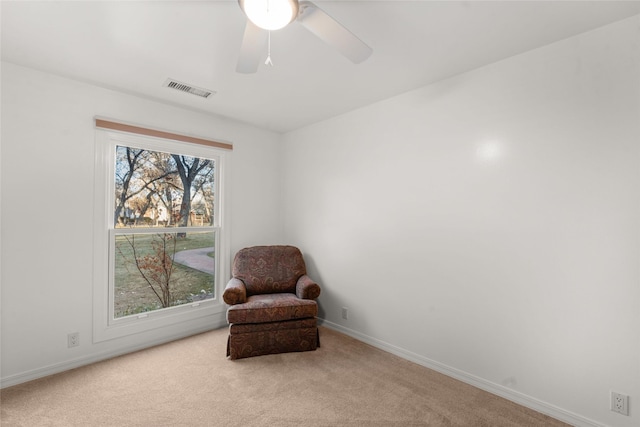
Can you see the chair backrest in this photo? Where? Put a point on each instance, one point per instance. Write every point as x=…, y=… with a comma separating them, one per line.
x=269, y=269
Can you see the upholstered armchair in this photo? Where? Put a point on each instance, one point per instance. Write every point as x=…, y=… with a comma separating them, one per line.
x=272, y=307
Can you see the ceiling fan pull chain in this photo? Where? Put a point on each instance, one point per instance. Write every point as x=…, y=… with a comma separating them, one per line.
x=268, y=61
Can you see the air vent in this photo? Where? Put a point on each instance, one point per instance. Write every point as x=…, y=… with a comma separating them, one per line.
x=183, y=87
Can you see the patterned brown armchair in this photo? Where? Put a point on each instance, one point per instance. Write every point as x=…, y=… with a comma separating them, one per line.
x=272, y=303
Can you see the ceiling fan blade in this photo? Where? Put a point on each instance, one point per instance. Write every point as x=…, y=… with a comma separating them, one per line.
x=332, y=32
x=254, y=45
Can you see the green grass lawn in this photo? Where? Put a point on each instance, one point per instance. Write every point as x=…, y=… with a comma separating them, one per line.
x=133, y=294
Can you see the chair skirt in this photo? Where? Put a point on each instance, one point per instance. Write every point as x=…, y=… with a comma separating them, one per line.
x=256, y=339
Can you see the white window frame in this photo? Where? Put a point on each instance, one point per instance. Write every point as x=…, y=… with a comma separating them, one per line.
x=105, y=327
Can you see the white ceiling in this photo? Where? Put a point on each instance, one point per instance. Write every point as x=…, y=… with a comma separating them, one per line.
x=134, y=46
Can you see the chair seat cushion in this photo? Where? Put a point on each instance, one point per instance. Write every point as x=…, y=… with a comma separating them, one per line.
x=272, y=308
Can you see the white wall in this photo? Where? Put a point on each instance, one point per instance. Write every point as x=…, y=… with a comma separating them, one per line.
x=489, y=225
x=47, y=213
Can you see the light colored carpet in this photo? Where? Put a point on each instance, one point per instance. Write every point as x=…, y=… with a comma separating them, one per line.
x=190, y=383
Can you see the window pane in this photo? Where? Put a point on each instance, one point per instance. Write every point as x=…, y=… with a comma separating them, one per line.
x=161, y=270
x=156, y=189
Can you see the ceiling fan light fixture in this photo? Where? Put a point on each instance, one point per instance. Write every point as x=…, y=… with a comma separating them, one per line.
x=270, y=14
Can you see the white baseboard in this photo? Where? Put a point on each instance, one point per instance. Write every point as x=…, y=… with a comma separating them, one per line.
x=56, y=368
x=499, y=390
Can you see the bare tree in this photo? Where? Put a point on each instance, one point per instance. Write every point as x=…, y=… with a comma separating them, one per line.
x=127, y=164
x=159, y=181
x=189, y=169
x=156, y=268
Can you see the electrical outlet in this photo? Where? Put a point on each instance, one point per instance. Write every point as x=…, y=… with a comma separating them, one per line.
x=620, y=403
x=73, y=340
x=345, y=313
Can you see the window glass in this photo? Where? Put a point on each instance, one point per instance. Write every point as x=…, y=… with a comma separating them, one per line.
x=154, y=266
x=161, y=270
x=156, y=189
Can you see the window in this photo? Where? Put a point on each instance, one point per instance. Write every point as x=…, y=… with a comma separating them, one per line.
x=161, y=246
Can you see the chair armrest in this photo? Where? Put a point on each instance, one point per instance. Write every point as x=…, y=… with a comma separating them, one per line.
x=306, y=288
x=235, y=292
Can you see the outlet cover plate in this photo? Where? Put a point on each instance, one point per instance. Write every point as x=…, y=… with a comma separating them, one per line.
x=620, y=403
x=73, y=340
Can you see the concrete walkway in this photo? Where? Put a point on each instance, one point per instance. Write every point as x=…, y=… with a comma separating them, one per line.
x=196, y=259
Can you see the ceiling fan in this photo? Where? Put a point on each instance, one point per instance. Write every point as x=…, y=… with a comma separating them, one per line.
x=264, y=16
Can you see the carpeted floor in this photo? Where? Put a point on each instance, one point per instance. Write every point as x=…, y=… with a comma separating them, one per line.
x=191, y=383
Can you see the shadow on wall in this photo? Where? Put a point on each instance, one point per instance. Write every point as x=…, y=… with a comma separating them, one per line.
x=313, y=272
